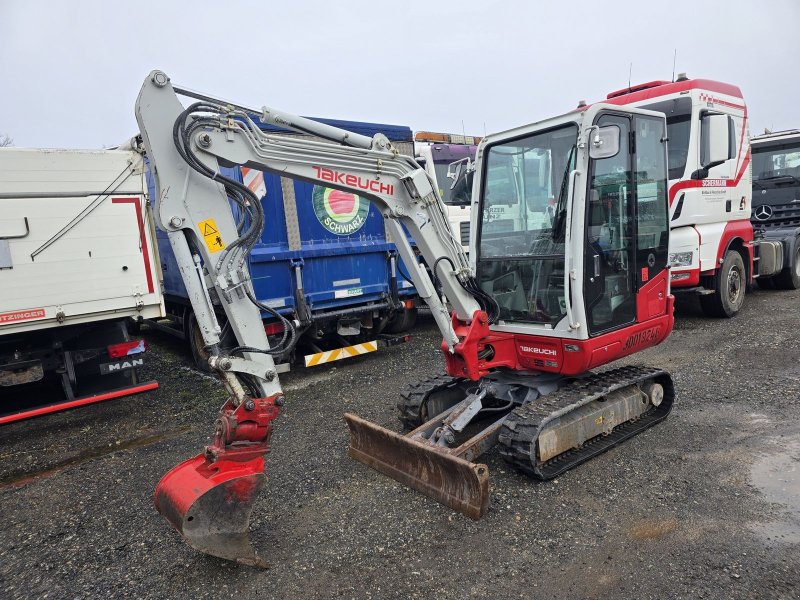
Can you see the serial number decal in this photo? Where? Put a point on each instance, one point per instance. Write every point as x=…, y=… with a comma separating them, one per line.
x=642, y=338
x=22, y=315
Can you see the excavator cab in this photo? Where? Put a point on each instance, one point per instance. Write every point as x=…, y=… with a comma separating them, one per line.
x=608, y=185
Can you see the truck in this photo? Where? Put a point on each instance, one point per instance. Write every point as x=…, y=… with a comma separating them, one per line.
x=713, y=248
x=77, y=260
x=326, y=262
x=776, y=201
x=444, y=156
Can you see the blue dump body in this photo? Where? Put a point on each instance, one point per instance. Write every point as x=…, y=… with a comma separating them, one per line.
x=325, y=259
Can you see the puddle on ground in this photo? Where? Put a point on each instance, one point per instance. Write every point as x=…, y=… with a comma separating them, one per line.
x=777, y=476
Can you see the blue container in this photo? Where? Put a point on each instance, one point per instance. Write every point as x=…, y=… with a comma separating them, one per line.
x=323, y=257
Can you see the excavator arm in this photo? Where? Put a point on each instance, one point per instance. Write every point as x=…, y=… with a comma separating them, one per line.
x=208, y=498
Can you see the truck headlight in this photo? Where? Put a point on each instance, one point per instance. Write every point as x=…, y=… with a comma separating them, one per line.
x=680, y=259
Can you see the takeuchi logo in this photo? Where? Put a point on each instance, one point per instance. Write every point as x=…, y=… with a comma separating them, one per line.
x=341, y=213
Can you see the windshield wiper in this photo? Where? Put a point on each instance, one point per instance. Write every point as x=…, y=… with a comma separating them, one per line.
x=560, y=217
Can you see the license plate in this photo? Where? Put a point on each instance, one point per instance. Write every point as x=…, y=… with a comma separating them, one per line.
x=120, y=365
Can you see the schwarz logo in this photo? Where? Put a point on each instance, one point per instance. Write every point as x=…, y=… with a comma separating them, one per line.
x=641, y=338
x=341, y=213
x=535, y=350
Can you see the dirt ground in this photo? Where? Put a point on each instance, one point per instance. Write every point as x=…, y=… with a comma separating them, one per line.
x=704, y=505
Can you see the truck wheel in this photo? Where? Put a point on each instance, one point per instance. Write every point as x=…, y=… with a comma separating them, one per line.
x=196, y=344
x=403, y=321
x=729, y=287
x=789, y=278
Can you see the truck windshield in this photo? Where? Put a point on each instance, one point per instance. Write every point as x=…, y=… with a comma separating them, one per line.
x=678, y=129
x=679, y=126
x=776, y=164
x=520, y=261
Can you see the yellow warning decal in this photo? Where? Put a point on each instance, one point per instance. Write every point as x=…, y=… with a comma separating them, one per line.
x=208, y=229
x=331, y=355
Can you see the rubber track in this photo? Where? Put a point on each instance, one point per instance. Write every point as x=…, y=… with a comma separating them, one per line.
x=414, y=396
x=517, y=440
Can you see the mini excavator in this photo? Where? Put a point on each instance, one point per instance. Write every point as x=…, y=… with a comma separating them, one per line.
x=567, y=272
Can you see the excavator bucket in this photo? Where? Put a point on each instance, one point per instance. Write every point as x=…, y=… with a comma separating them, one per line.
x=209, y=503
x=434, y=471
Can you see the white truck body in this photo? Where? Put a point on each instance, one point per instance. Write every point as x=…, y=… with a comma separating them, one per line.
x=76, y=240
x=437, y=151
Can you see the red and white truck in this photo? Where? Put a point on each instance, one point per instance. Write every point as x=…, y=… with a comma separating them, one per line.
x=77, y=260
x=713, y=250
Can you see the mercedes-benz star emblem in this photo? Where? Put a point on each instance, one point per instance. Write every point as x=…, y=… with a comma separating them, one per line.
x=763, y=212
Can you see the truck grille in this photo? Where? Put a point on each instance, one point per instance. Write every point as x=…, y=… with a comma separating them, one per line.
x=782, y=215
x=464, y=233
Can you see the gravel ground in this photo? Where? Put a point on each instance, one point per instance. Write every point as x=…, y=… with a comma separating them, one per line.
x=706, y=504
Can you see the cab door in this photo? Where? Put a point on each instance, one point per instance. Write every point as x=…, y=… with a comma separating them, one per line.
x=627, y=229
x=609, y=258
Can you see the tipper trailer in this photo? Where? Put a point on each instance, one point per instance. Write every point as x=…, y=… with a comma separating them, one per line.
x=327, y=262
x=77, y=260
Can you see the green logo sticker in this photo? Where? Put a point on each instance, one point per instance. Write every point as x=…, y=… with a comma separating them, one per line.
x=339, y=212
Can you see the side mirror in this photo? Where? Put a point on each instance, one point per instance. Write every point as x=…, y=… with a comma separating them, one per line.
x=715, y=146
x=604, y=142
x=717, y=142
x=454, y=169
x=462, y=189
x=454, y=172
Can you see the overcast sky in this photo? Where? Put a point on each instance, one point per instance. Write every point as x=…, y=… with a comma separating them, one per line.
x=70, y=71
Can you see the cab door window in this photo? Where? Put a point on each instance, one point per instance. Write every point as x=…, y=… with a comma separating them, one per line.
x=609, y=257
x=652, y=235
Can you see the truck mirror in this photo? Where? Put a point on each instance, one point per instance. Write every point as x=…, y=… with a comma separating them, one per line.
x=454, y=172
x=715, y=143
x=462, y=189
x=604, y=142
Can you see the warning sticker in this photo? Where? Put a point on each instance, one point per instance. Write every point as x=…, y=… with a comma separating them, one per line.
x=208, y=229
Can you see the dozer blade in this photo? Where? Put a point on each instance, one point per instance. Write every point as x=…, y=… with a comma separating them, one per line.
x=209, y=503
x=434, y=471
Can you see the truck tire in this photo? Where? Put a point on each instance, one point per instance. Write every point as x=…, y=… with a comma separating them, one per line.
x=195, y=339
x=789, y=278
x=730, y=283
x=403, y=321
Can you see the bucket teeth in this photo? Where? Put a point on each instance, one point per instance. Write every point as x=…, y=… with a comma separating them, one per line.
x=433, y=471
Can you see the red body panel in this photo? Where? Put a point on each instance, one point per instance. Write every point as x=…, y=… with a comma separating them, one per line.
x=522, y=352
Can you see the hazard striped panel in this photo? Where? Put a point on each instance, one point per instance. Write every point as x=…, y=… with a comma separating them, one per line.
x=319, y=358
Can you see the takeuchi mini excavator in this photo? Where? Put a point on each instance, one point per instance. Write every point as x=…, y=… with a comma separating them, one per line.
x=573, y=277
